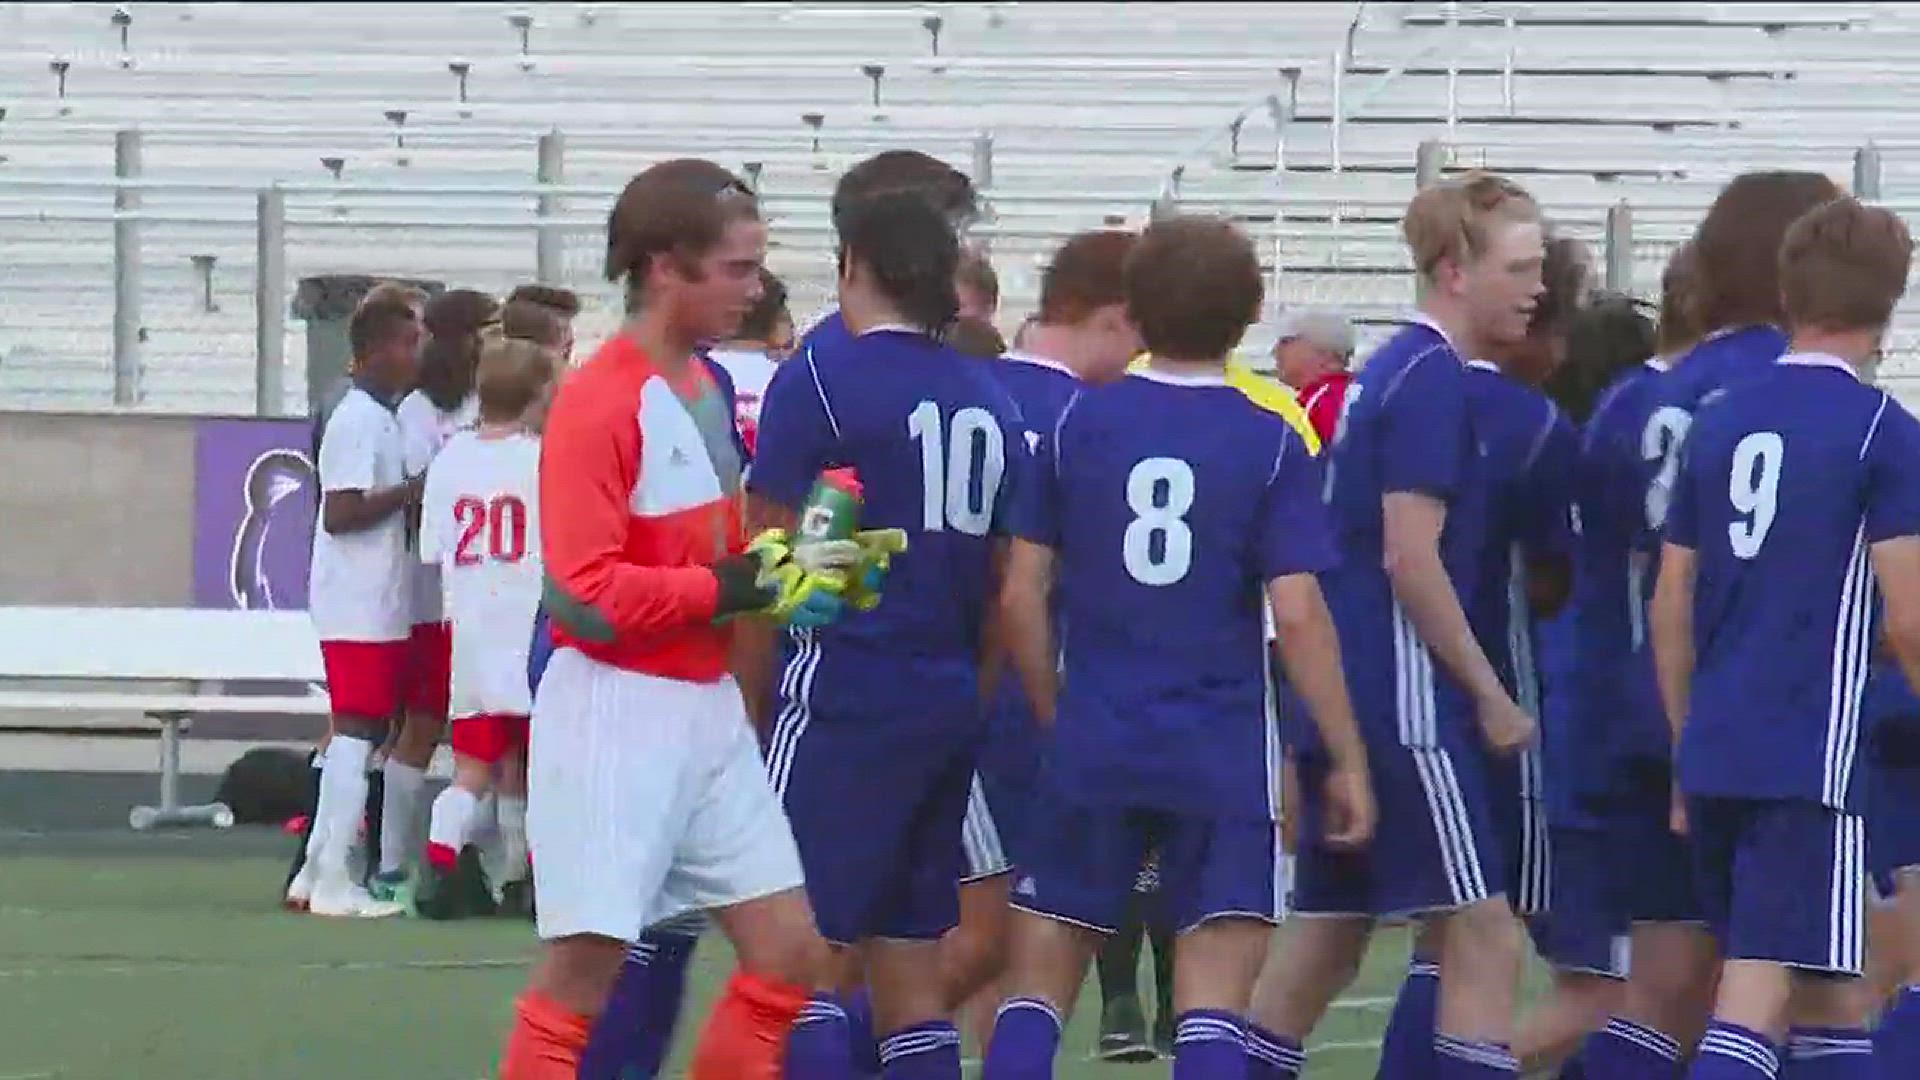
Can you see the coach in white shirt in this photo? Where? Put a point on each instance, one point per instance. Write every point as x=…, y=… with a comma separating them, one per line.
x=359, y=598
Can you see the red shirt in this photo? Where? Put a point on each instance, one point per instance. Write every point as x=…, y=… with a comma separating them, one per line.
x=1322, y=399
x=637, y=500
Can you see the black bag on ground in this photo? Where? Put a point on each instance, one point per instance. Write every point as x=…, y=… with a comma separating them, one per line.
x=270, y=786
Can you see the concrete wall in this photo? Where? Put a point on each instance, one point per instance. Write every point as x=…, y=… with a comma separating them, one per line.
x=96, y=509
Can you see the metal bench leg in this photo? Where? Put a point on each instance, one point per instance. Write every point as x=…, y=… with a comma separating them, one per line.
x=170, y=813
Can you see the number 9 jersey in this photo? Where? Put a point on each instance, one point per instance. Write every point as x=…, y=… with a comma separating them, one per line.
x=480, y=523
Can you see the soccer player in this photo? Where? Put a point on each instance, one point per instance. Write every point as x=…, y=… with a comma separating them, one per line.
x=977, y=286
x=1312, y=356
x=1890, y=714
x=1410, y=494
x=1799, y=488
x=358, y=596
x=647, y=798
x=441, y=404
x=751, y=353
x=1630, y=457
x=480, y=518
x=1169, y=509
x=563, y=304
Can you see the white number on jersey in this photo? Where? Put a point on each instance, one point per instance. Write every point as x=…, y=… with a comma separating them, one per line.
x=952, y=495
x=1158, y=512
x=1660, y=442
x=503, y=520
x=1754, y=488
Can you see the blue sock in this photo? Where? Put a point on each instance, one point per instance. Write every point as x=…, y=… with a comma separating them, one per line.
x=1466, y=1059
x=1896, y=1042
x=817, y=1043
x=1406, y=1053
x=1828, y=1054
x=1731, y=1052
x=926, y=1051
x=861, y=1041
x=632, y=1033
x=1625, y=1050
x=1273, y=1057
x=1210, y=1044
x=1026, y=1035
x=1572, y=1069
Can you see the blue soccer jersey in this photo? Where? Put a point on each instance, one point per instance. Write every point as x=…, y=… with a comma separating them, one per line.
x=1787, y=479
x=1170, y=502
x=1407, y=427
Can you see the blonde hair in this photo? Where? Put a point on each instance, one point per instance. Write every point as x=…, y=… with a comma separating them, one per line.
x=512, y=374
x=1454, y=219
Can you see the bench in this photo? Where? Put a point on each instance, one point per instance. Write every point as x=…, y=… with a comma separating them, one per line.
x=167, y=664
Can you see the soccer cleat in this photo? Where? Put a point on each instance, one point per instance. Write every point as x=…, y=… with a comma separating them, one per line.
x=1123, y=1031
x=392, y=886
x=470, y=878
x=1163, y=1032
x=345, y=900
x=438, y=896
x=516, y=899
x=300, y=889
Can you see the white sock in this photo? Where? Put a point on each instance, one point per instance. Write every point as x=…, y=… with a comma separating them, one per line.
x=343, y=798
x=513, y=836
x=452, y=819
x=399, y=815
x=485, y=830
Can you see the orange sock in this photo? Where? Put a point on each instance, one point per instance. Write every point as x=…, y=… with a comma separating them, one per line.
x=746, y=1034
x=546, y=1041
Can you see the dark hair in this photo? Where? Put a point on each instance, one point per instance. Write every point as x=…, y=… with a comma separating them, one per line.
x=1738, y=245
x=1193, y=287
x=376, y=321
x=1087, y=273
x=1563, y=280
x=678, y=208
x=1843, y=266
x=527, y=320
x=942, y=186
x=1604, y=339
x=977, y=337
x=976, y=273
x=453, y=321
x=910, y=250
x=1679, y=300
x=562, y=302
x=760, y=319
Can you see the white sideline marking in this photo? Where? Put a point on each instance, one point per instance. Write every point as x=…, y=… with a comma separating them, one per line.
x=161, y=967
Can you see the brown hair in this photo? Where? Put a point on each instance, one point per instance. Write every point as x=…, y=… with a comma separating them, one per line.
x=1738, y=245
x=1454, y=219
x=511, y=376
x=977, y=337
x=1679, y=307
x=678, y=208
x=528, y=320
x=376, y=321
x=1563, y=279
x=393, y=290
x=976, y=273
x=758, y=323
x=564, y=303
x=1086, y=274
x=1844, y=265
x=1193, y=287
x=453, y=321
x=1604, y=339
x=946, y=188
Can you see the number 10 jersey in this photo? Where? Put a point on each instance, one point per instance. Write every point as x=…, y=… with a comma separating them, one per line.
x=1170, y=502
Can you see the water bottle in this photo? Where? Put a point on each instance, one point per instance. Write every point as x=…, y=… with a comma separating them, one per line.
x=832, y=511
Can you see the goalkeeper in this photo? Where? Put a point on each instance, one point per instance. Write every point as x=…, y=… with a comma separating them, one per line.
x=647, y=799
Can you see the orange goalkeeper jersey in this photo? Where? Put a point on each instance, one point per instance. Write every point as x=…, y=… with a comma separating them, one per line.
x=639, y=495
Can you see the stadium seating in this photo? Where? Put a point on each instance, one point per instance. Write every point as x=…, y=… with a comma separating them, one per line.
x=1301, y=119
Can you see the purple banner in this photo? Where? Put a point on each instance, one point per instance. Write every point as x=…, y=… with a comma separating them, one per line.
x=254, y=500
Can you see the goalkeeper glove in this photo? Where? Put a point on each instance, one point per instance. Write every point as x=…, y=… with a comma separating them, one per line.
x=770, y=578
x=867, y=576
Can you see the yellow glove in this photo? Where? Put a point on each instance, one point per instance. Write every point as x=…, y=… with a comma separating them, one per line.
x=867, y=577
x=799, y=595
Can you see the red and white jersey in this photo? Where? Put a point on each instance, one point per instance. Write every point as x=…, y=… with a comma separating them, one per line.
x=751, y=370
x=424, y=429
x=357, y=581
x=480, y=525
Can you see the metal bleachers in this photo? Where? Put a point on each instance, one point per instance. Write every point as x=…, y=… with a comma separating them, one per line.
x=403, y=136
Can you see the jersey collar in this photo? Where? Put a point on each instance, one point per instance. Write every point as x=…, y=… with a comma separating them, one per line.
x=1815, y=359
x=1660, y=364
x=1421, y=318
x=1484, y=365
x=1169, y=379
x=1039, y=361
x=390, y=403
x=892, y=328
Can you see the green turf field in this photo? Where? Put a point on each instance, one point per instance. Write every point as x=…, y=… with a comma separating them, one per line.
x=175, y=965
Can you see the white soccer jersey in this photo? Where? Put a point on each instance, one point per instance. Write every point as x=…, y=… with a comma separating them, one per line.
x=424, y=429
x=358, y=581
x=751, y=371
x=480, y=524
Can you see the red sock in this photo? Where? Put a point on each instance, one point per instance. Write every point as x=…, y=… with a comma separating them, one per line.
x=546, y=1041
x=746, y=1034
x=442, y=857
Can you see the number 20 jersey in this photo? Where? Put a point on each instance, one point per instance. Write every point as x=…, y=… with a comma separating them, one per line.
x=1170, y=503
x=480, y=523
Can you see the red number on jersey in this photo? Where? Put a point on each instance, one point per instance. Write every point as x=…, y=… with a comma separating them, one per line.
x=503, y=519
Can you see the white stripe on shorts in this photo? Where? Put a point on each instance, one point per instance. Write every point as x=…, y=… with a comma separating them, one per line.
x=980, y=837
x=1847, y=897
x=1452, y=827
x=796, y=689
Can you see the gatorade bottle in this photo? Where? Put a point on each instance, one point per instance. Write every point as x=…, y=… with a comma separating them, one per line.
x=832, y=511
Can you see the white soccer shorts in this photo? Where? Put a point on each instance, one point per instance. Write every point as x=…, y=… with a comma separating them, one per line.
x=646, y=799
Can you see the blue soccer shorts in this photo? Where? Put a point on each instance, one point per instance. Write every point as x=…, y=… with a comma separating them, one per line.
x=1083, y=863
x=1585, y=927
x=1653, y=864
x=1520, y=815
x=1893, y=823
x=1437, y=847
x=982, y=845
x=1783, y=881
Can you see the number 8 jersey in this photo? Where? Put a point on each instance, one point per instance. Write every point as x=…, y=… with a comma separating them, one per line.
x=1786, y=480
x=480, y=523
x=1170, y=503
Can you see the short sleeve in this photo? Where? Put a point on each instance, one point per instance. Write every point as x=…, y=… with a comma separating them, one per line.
x=1547, y=528
x=1034, y=508
x=1295, y=531
x=1423, y=427
x=1893, y=476
x=796, y=438
x=349, y=449
x=1683, y=512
